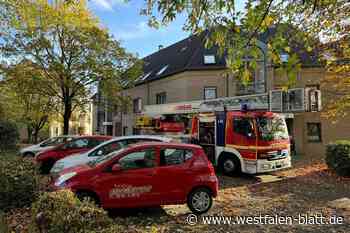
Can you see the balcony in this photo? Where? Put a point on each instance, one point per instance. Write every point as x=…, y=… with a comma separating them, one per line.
x=251, y=88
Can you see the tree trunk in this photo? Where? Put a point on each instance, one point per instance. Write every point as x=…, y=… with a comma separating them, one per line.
x=66, y=116
x=29, y=134
x=35, y=136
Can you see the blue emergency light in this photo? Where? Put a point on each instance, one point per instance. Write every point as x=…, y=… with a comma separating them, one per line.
x=244, y=106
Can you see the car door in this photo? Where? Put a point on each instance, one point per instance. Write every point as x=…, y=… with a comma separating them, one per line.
x=174, y=174
x=133, y=185
x=244, y=136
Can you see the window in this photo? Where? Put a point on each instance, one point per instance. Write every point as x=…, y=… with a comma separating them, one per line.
x=314, y=132
x=106, y=149
x=162, y=70
x=243, y=126
x=77, y=144
x=137, y=140
x=137, y=105
x=161, y=98
x=209, y=59
x=170, y=157
x=209, y=93
x=94, y=142
x=139, y=159
x=314, y=98
x=146, y=76
x=296, y=99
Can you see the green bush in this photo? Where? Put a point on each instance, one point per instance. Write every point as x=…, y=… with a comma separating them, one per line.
x=3, y=224
x=338, y=157
x=19, y=182
x=9, y=136
x=62, y=211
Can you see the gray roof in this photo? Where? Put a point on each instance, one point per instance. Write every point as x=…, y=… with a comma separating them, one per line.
x=188, y=54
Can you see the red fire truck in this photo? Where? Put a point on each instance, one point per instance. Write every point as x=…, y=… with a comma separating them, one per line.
x=243, y=141
x=239, y=134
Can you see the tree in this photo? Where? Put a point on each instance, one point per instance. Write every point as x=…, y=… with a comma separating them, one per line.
x=67, y=44
x=317, y=25
x=24, y=103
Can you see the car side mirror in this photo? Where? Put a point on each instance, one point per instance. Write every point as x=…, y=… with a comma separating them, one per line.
x=99, y=153
x=116, y=168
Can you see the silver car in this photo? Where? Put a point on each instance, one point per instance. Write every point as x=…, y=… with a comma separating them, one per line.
x=103, y=149
x=31, y=151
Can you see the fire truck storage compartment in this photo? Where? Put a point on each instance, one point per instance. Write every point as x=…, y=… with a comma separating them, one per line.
x=220, y=128
x=207, y=135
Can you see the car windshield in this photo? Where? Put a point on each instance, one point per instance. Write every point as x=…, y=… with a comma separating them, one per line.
x=102, y=159
x=274, y=128
x=50, y=142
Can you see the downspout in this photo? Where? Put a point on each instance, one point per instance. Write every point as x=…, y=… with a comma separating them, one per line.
x=227, y=85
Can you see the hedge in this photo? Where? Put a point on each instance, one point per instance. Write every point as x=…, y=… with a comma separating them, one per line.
x=338, y=157
x=9, y=136
x=19, y=182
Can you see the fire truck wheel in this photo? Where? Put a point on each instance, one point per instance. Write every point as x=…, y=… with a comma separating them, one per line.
x=230, y=165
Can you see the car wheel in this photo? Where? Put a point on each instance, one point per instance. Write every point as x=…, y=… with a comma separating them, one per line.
x=83, y=195
x=230, y=165
x=28, y=154
x=200, y=200
x=46, y=166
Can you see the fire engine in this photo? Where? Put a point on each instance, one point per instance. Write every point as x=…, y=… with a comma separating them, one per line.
x=238, y=134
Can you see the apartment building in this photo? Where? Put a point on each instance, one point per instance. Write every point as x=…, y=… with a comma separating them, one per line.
x=186, y=71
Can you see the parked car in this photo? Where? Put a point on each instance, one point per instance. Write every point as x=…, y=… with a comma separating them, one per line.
x=147, y=174
x=47, y=158
x=102, y=150
x=32, y=150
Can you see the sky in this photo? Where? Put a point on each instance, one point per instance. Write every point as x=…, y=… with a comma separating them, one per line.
x=127, y=25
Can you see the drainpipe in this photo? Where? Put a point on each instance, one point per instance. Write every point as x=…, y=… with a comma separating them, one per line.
x=227, y=85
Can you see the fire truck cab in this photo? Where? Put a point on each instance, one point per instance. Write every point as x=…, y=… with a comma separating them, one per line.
x=243, y=141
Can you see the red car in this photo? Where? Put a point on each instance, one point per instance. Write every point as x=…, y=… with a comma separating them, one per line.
x=81, y=144
x=148, y=174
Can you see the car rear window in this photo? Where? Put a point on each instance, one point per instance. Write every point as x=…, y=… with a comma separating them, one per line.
x=174, y=156
x=138, y=140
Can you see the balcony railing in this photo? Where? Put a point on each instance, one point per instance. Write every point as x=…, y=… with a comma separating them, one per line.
x=249, y=89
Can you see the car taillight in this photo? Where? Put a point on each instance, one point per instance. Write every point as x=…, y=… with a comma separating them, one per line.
x=211, y=169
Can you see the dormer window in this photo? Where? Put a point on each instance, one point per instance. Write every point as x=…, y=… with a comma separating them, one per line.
x=209, y=59
x=146, y=76
x=162, y=70
x=143, y=77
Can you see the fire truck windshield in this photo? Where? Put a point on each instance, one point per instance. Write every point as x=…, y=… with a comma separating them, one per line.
x=272, y=128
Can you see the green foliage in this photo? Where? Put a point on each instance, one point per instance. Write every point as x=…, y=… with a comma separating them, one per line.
x=18, y=182
x=315, y=29
x=9, y=135
x=338, y=157
x=62, y=211
x=3, y=224
x=66, y=44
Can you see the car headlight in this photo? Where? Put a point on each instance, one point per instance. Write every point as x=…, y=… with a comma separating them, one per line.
x=63, y=178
